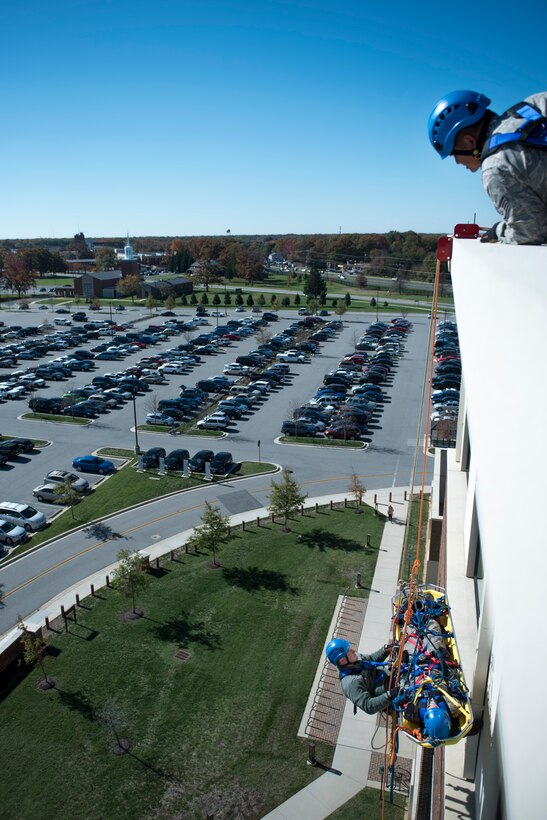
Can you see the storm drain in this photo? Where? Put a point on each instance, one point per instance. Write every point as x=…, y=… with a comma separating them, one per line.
x=182, y=655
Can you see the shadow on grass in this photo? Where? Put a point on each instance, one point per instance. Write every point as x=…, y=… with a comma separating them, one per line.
x=77, y=702
x=184, y=631
x=254, y=580
x=322, y=540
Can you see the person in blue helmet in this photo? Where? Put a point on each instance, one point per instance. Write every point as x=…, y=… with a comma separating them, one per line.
x=364, y=678
x=510, y=150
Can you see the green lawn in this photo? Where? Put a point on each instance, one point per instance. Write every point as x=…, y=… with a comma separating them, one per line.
x=125, y=489
x=58, y=419
x=321, y=442
x=215, y=735
x=368, y=804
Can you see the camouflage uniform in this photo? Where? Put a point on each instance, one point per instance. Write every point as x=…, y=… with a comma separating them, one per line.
x=368, y=689
x=515, y=179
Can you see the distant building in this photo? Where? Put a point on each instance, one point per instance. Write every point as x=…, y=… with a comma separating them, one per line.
x=162, y=288
x=276, y=258
x=97, y=284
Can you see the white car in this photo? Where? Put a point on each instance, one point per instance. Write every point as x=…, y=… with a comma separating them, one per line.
x=22, y=514
x=291, y=356
x=172, y=367
x=79, y=485
x=235, y=369
x=160, y=419
x=48, y=492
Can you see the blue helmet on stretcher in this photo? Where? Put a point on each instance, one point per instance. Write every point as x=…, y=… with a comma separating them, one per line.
x=437, y=723
x=455, y=111
x=336, y=649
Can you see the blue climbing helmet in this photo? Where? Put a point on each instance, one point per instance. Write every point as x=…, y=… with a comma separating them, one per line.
x=455, y=111
x=336, y=649
x=437, y=723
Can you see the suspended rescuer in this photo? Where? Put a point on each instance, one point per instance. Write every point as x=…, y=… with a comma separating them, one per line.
x=364, y=678
x=511, y=151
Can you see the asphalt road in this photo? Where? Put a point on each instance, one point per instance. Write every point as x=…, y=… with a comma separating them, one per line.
x=388, y=460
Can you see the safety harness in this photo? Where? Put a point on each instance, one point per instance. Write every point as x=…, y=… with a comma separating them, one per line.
x=361, y=667
x=532, y=133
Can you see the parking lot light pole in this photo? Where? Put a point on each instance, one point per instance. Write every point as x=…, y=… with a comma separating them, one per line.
x=137, y=448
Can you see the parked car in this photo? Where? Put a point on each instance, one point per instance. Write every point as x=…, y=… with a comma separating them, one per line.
x=93, y=464
x=216, y=421
x=222, y=463
x=343, y=431
x=160, y=419
x=49, y=492
x=11, y=534
x=79, y=485
x=197, y=462
x=23, y=515
x=176, y=458
x=298, y=428
x=152, y=457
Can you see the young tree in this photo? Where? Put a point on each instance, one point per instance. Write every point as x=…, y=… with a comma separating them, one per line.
x=263, y=335
x=373, y=302
x=193, y=299
x=239, y=299
x=113, y=718
x=184, y=300
x=34, y=650
x=315, y=286
x=340, y=309
x=347, y=299
x=150, y=302
x=212, y=533
x=297, y=299
x=130, y=576
x=274, y=302
x=313, y=306
x=216, y=299
x=68, y=495
x=170, y=302
x=361, y=280
x=261, y=300
x=286, y=301
x=204, y=298
x=250, y=300
x=286, y=498
x=227, y=298
x=357, y=489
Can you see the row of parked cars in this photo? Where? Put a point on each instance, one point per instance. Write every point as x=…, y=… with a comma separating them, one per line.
x=351, y=395
x=220, y=463
x=446, y=383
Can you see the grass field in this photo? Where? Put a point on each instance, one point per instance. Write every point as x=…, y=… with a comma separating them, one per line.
x=215, y=735
x=57, y=419
x=322, y=442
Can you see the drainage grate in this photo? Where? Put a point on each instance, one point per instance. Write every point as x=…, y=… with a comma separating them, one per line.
x=182, y=655
x=401, y=776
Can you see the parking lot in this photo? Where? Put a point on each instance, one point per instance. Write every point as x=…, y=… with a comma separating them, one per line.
x=390, y=441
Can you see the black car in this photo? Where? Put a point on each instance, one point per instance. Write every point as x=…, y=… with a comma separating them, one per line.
x=26, y=445
x=79, y=411
x=197, y=462
x=10, y=448
x=40, y=405
x=152, y=457
x=209, y=386
x=176, y=458
x=222, y=463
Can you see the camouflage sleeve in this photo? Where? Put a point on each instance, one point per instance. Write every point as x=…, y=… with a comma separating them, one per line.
x=523, y=211
x=356, y=690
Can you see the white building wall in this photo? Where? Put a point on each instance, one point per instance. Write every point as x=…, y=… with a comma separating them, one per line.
x=501, y=307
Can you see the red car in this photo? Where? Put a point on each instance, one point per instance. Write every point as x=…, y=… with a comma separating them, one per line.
x=233, y=337
x=346, y=431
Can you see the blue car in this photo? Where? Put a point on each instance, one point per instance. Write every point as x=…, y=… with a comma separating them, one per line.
x=92, y=464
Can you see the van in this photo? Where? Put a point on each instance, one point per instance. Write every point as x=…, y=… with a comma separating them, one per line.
x=244, y=390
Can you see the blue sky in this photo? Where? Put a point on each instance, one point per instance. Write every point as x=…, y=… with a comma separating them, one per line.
x=183, y=118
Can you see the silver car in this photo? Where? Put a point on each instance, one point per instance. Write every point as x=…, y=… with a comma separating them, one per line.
x=48, y=492
x=80, y=485
x=11, y=534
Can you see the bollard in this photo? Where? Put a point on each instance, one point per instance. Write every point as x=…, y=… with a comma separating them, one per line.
x=312, y=760
x=243, y=526
x=358, y=581
x=375, y=499
x=229, y=530
x=302, y=510
x=93, y=590
x=63, y=611
x=74, y=614
x=186, y=547
x=47, y=622
x=345, y=503
x=331, y=503
x=390, y=497
x=77, y=600
x=108, y=581
x=375, y=508
x=368, y=539
x=172, y=555
x=316, y=507
x=157, y=563
x=405, y=495
x=273, y=518
x=258, y=521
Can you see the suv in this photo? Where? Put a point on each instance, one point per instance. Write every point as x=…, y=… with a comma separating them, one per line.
x=222, y=463
x=298, y=428
x=197, y=462
x=40, y=405
x=175, y=460
x=152, y=457
x=22, y=514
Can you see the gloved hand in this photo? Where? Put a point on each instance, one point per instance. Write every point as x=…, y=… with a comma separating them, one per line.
x=395, y=692
x=491, y=235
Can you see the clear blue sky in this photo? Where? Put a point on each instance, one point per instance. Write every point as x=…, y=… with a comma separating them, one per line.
x=265, y=116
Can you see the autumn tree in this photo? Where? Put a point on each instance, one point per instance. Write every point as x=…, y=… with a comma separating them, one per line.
x=315, y=286
x=105, y=259
x=213, y=532
x=150, y=302
x=170, y=302
x=207, y=272
x=34, y=650
x=68, y=495
x=340, y=309
x=129, y=286
x=286, y=498
x=130, y=576
x=16, y=276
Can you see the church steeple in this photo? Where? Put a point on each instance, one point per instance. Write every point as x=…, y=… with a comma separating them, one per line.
x=128, y=252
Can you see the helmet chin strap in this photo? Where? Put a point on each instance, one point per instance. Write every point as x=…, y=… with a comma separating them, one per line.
x=481, y=138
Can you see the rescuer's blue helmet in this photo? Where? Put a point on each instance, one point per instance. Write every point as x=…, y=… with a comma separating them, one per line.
x=437, y=723
x=455, y=111
x=336, y=649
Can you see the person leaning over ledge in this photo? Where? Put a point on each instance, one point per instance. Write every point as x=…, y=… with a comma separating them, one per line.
x=511, y=151
x=363, y=678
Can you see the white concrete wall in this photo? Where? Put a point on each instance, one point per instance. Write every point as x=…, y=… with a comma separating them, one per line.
x=501, y=306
